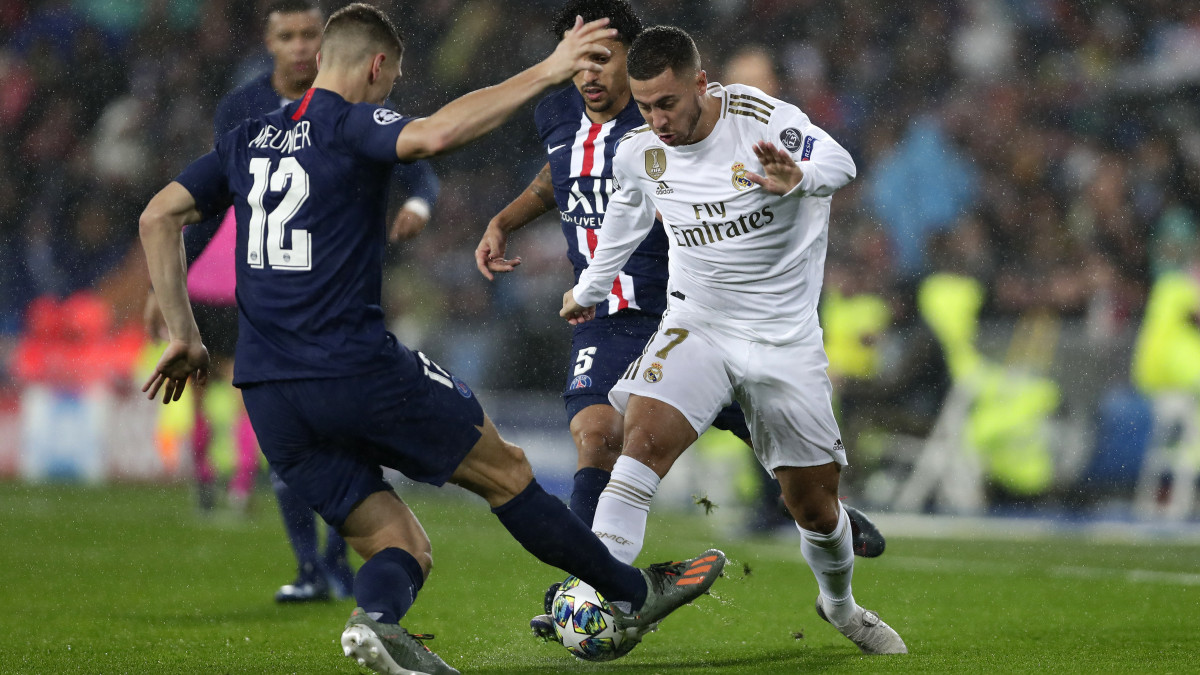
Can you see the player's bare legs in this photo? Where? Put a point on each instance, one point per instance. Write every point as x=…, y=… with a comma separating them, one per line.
x=494, y=469
x=597, y=431
x=656, y=434
x=382, y=521
x=811, y=496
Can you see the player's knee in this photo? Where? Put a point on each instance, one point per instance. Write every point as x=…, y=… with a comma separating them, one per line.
x=519, y=469
x=815, y=513
x=597, y=447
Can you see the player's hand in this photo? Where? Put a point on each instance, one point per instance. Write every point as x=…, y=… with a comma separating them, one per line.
x=489, y=254
x=783, y=173
x=408, y=224
x=152, y=319
x=574, y=312
x=180, y=360
x=574, y=52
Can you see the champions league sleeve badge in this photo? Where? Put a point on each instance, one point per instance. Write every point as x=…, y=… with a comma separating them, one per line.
x=791, y=138
x=385, y=116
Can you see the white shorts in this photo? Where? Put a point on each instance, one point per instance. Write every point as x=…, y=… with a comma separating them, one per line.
x=784, y=389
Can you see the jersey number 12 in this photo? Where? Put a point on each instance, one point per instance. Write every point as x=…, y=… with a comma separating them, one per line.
x=293, y=176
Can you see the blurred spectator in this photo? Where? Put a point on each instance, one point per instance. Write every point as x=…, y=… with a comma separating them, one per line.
x=1059, y=142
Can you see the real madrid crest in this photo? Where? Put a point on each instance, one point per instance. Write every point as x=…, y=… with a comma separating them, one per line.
x=739, y=177
x=656, y=163
x=654, y=373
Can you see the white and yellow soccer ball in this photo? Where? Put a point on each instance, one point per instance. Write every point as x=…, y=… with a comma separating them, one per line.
x=584, y=623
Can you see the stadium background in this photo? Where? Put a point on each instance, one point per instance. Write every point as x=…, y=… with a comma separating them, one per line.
x=1047, y=150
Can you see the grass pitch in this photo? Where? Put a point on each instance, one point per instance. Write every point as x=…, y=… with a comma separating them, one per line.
x=131, y=580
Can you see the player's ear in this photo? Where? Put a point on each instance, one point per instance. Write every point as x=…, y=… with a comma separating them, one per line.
x=318, y=60
x=702, y=82
x=376, y=67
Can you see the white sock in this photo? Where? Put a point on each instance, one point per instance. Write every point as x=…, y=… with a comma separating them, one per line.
x=831, y=557
x=624, y=505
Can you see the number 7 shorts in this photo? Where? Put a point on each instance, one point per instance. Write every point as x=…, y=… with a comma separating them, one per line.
x=783, y=389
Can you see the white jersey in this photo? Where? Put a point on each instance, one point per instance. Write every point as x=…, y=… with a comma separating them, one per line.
x=751, y=260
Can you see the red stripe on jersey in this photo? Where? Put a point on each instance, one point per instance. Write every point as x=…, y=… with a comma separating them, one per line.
x=589, y=150
x=622, y=303
x=591, y=239
x=303, y=105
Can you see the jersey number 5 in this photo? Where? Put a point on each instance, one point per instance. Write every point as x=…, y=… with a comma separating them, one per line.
x=291, y=175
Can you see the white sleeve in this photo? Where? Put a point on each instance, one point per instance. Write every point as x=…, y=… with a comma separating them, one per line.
x=627, y=221
x=826, y=164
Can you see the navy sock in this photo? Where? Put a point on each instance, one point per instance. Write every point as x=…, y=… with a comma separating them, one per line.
x=548, y=530
x=299, y=523
x=387, y=584
x=589, y=483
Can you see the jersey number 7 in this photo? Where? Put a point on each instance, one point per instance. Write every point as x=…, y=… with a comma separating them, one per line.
x=293, y=176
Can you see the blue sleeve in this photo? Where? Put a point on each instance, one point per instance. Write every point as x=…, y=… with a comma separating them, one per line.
x=205, y=180
x=418, y=180
x=371, y=131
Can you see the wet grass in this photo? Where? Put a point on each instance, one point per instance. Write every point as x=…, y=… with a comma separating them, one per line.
x=132, y=580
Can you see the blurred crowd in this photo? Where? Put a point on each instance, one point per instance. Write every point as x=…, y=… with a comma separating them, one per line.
x=1049, y=149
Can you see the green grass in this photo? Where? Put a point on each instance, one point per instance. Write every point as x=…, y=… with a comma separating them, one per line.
x=131, y=580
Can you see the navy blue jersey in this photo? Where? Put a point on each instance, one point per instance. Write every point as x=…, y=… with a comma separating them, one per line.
x=581, y=156
x=308, y=183
x=258, y=97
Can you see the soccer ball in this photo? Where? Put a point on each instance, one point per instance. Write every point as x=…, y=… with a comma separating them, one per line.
x=584, y=622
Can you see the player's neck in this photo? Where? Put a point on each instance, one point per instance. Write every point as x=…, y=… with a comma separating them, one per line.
x=710, y=112
x=288, y=89
x=341, y=83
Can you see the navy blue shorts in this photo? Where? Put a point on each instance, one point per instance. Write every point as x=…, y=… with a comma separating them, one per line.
x=328, y=438
x=601, y=350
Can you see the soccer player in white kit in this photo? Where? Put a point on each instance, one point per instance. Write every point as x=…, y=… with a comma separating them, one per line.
x=748, y=224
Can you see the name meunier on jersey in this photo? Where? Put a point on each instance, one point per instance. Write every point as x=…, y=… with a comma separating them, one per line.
x=712, y=232
x=286, y=141
x=308, y=183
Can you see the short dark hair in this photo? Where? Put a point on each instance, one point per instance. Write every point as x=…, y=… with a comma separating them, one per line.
x=619, y=12
x=659, y=48
x=291, y=7
x=367, y=23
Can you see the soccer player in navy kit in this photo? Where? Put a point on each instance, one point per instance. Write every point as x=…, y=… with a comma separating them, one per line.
x=293, y=36
x=580, y=126
x=331, y=393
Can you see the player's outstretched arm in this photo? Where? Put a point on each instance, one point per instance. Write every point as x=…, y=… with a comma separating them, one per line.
x=479, y=112
x=782, y=172
x=535, y=200
x=161, y=231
